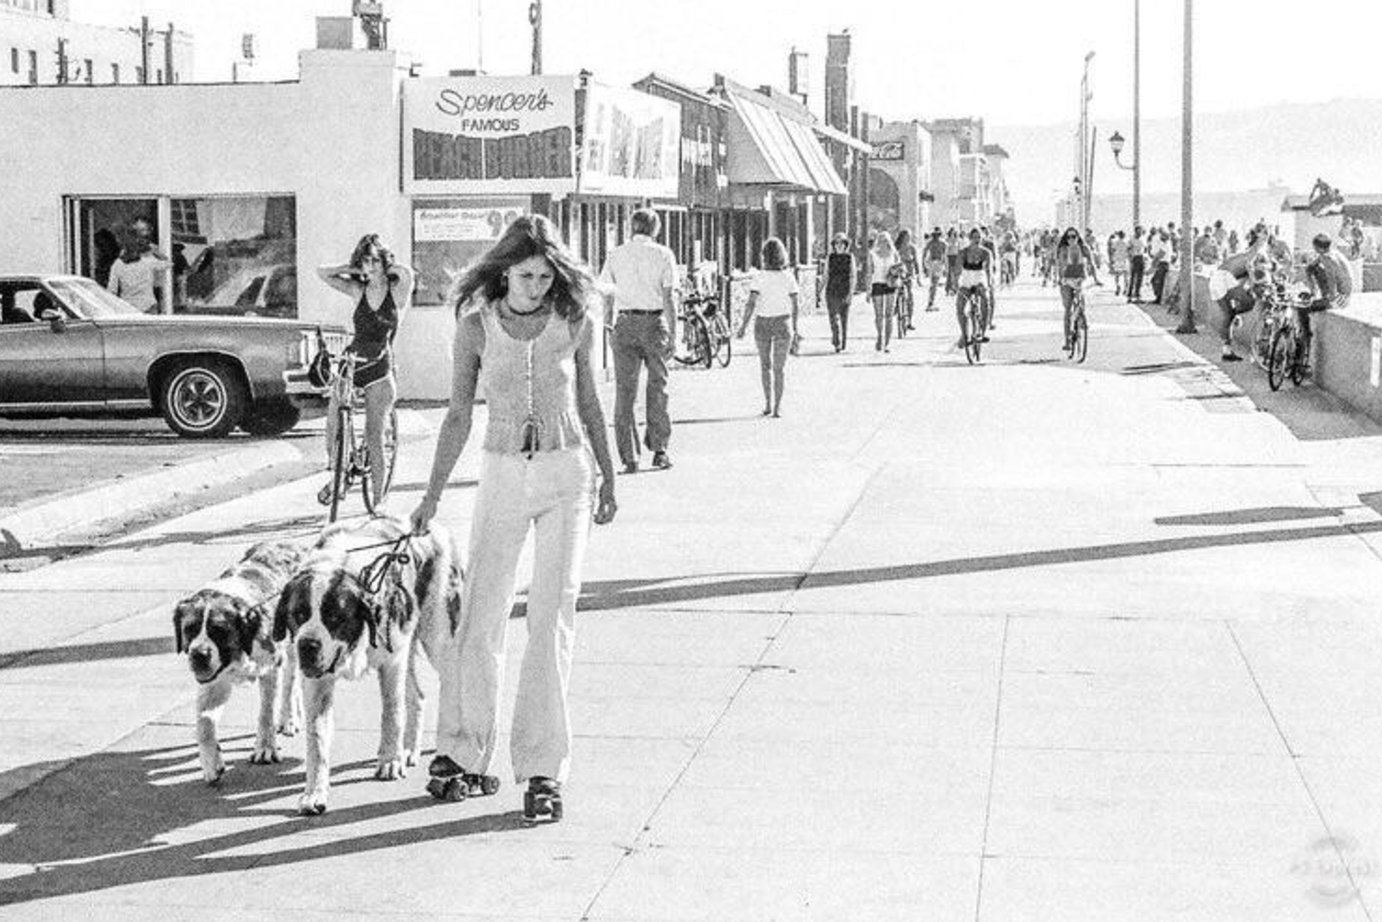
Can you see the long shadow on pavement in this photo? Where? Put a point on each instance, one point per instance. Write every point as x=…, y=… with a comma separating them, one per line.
x=107, y=820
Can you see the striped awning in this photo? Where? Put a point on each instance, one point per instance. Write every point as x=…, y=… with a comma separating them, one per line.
x=767, y=148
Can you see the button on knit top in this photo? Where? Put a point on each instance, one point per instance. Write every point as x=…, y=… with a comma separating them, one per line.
x=530, y=386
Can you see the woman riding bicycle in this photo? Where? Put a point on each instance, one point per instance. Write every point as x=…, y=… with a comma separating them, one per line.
x=975, y=263
x=382, y=290
x=1074, y=263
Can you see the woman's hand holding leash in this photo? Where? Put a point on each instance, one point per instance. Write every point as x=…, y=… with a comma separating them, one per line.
x=606, y=507
x=422, y=515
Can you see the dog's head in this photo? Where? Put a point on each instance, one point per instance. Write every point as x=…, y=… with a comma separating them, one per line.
x=215, y=630
x=328, y=614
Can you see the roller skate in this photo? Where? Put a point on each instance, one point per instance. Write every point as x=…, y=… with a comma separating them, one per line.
x=542, y=800
x=449, y=781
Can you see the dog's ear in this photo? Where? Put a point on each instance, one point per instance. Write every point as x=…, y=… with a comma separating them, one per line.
x=251, y=620
x=179, y=612
x=286, y=600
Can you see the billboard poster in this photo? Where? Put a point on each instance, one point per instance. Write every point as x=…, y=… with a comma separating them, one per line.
x=632, y=144
x=489, y=135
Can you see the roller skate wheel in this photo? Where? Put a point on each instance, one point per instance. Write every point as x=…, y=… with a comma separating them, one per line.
x=529, y=806
x=451, y=789
x=488, y=785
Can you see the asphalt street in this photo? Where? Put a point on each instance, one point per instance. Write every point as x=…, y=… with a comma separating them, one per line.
x=1024, y=640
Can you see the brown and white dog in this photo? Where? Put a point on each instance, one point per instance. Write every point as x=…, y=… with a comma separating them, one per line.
x=225, y=629
x=342, y=628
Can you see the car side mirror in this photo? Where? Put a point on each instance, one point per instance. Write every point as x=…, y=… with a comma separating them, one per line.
x=56, y=321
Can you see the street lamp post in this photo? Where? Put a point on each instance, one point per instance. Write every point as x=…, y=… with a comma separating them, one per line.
x=1187, y=197
x=1085, y=160
x=1117, y=141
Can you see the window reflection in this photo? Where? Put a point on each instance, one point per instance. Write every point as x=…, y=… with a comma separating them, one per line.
x=235, y=255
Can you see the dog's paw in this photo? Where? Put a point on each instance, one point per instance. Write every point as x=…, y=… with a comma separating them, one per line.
x=313, y=803
x=265, y=753
x=290, y=725
x=391, y=769
x=412, y=758
x=213, y=767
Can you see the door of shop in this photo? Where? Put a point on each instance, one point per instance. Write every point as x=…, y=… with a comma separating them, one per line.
x=99, y=227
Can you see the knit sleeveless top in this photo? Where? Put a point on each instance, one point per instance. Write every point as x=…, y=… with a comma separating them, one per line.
x=530, y=386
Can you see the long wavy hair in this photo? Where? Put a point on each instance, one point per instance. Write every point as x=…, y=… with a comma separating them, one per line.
x=368, y=243
x=573, y=285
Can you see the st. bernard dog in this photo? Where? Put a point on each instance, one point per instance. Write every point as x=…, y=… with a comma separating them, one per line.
x=351, y=609
x=225, y=630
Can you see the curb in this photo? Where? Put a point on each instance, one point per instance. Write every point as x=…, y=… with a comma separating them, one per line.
x=65, y=511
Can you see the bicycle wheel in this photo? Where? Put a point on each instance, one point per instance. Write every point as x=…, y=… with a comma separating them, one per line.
x=972, y=334
x=340, y=465
x=1278, y=356
x=695, y=343
x=1261, y=343
x=723, y=341
x=1296, y=367
x=1079, y=334
x=389, y=460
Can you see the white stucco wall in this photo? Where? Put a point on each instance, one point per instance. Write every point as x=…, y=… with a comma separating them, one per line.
x=331, y=140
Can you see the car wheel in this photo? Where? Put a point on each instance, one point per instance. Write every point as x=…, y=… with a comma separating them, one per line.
x=202, y=399
x=271, y=419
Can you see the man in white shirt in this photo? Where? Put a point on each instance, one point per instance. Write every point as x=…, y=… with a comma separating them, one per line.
x=137, y=275
x=642, y=274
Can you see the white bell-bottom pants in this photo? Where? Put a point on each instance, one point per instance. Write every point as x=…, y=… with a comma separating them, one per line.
x=549, y=493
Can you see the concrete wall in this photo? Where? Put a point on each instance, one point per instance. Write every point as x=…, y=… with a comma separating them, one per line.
x=1348, y=353
x=331, y=140
x=913, y=174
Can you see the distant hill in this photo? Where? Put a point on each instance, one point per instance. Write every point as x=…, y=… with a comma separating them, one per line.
x=1290, y=144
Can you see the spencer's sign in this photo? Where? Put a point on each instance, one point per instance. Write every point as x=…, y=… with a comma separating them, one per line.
x=489, y=135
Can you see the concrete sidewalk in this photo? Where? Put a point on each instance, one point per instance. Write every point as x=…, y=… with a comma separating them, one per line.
x=1029, y=640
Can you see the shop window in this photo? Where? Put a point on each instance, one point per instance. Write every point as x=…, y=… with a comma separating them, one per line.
x=235, y=255
x=449, y=235
x=14, y=60
x=138, y=74
x=115, y=73
x=33, y=68
x=89, y=70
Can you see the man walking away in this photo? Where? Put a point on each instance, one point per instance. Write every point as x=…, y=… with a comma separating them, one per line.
x=1137, y=266
x=642, y=274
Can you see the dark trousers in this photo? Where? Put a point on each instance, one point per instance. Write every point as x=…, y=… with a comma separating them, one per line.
x=1159, y=280
x=1137, y=267
x=639, y=340
x=838, y=308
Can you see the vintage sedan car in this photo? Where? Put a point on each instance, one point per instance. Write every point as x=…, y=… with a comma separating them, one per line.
x=70, y=348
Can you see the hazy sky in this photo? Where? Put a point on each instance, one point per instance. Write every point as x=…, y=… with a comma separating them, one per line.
x=1014, y=62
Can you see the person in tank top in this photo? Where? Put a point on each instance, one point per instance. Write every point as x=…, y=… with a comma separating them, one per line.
x=525, y=331
x=382, y=289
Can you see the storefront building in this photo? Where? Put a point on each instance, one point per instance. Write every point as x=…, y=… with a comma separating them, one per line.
x=256, y=185
x=778, y=174
x=900, y=181
x=693, y=227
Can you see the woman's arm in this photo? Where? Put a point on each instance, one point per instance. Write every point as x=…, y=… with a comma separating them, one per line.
x=593, y=420
x=331, y=275
x=748, y=313
x=796, y=301
x=455, y=428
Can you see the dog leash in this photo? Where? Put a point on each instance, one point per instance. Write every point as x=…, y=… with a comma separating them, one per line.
x=374, y=573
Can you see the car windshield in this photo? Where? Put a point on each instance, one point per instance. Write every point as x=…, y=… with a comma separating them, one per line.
x=90, y=300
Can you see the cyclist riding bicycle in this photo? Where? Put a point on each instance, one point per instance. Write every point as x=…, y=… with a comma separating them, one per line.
x=907, y=270
x=933, y=260
x=1074, y=263
x=975, y=281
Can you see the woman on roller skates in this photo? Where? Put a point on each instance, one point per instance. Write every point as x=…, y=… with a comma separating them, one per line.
x=524, y=327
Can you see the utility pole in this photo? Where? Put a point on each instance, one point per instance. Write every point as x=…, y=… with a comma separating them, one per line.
x=62, y=60
x=535, y=20
x=1136, y=113
x=144, y=48
x=168, y=72
x=1187, y=194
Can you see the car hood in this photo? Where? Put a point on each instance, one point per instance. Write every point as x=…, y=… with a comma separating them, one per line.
x=216, y=323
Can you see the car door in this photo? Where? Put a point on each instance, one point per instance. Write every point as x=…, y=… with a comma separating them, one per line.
x=43, y=366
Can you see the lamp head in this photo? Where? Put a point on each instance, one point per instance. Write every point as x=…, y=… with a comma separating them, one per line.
x=1116, y=142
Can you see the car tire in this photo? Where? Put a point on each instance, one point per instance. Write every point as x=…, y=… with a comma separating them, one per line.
x=271, y=419
x=202, y=399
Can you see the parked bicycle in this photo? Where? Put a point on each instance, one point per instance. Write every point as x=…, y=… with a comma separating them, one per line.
x=705, y=336
x=1288, y=356
x=1274, y=311
x=350, y=454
